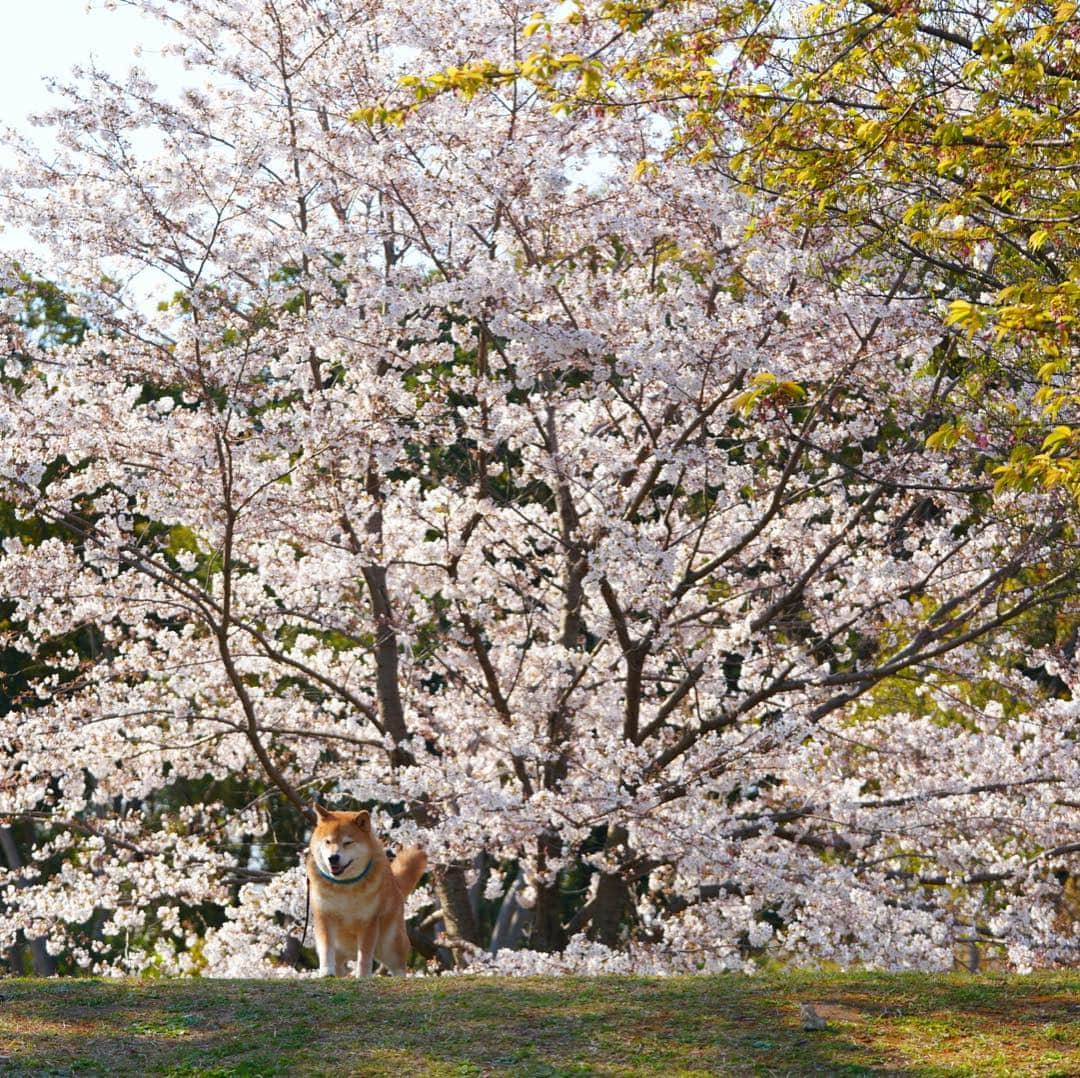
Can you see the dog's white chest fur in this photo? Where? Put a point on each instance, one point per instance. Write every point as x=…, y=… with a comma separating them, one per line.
x=348, y=903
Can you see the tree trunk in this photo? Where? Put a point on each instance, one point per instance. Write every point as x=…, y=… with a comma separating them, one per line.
x=44, y=963
x=387, y=689
x=292, y=954
x=476, y=889
x=449, y=880
x=547, y=928
x=16, y=956
x=453, y=894
x=514, y=919
x=612, y=900
x=547, y=931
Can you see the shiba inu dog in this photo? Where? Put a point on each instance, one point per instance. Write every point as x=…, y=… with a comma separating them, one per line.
x=358, y=895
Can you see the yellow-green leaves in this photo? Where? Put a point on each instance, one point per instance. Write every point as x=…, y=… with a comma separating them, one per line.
x=535, y=23
x=954, y=148
x=1038, y=239
x=969, y=317
x=949, y=435
x=766, y=386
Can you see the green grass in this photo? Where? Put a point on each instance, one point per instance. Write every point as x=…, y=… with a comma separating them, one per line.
x=909, y=1024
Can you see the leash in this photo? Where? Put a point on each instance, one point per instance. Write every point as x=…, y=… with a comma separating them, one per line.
x=307, y=910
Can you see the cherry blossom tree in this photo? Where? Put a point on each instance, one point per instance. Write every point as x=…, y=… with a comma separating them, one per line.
x=578, y=519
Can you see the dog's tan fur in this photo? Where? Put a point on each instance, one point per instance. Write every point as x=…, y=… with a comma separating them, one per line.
x=362, y=920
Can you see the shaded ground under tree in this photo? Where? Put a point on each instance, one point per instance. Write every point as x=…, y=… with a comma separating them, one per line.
x=899, y=1024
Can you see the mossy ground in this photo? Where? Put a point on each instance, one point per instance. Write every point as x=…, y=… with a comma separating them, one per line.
x=907, y=1024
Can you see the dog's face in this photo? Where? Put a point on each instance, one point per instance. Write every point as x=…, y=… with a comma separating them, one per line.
x=342, y=843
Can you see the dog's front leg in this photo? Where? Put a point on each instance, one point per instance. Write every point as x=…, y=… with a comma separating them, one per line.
x=324, y=947
x=366, y=950
x=393, y=949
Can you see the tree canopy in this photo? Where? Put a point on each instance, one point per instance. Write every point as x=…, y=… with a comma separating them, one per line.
x=947, y=136
x=589, y=521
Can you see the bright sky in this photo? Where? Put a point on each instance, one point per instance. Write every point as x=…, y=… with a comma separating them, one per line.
x=46, y=37
x=42, y=38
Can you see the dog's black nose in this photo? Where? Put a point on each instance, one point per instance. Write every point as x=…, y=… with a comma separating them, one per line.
x=334, y=858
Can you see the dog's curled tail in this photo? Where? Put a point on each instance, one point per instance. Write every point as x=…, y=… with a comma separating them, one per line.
x=408, y=866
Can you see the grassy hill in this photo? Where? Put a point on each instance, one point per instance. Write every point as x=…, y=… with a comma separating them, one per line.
x=912, y=1025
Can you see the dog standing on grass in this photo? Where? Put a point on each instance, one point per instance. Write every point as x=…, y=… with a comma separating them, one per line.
x=357, y=895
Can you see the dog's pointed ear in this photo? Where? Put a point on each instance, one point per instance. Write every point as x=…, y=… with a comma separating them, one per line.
x=362, y=819
x=320, y=812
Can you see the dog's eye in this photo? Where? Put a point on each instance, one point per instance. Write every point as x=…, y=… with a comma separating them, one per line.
x=346, y=842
